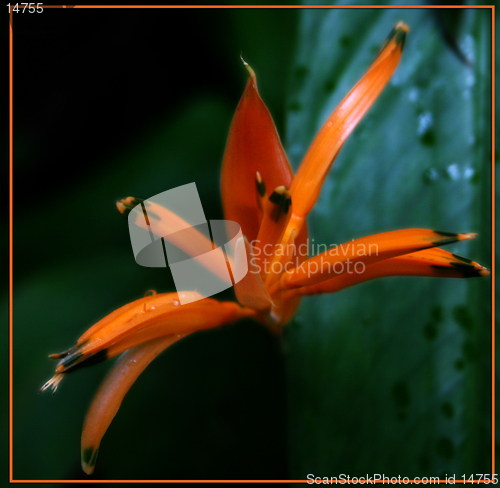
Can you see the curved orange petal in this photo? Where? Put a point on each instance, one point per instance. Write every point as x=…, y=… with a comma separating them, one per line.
x=433, y=262
x=253, y=145
x=320, y=155
x=130, y=309
x=145, y=319
x=366, y=250
x=111, y=393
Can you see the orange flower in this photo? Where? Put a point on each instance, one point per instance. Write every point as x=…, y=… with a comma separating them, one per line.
x=260, y=192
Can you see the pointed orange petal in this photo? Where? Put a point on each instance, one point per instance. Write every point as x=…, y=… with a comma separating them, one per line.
x=146, y=319
x=111, y=393
x=129, y=310
x=188, y=318
x=434, y=262
x=318, y=159
x=366, y=250
x=253, y=145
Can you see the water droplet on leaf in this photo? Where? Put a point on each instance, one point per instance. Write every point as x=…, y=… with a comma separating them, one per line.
x=430, y=175
x=453, y=172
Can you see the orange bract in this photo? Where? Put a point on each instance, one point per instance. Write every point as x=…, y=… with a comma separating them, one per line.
x=260, y=193
x=324, y=148
x=253, y=145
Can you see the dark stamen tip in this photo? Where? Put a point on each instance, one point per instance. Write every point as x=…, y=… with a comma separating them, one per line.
x=464, y=266
x=259, y=183
x=452, y=237
x=448, y=234
x=89, y=458
x=398, y=34
x=464, y=270
x=460, y=258
x=126, y=205
x=282, y=198
x=70, y=359
x=443, y=242
x=280, y=195
x=400, y=38
x=89, y=360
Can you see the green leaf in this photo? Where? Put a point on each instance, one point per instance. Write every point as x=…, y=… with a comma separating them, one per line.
x=394, y=376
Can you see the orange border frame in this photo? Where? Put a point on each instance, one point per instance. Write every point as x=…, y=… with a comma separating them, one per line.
x=11, y=222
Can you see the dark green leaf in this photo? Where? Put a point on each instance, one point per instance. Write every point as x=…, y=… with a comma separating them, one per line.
x=393, y=376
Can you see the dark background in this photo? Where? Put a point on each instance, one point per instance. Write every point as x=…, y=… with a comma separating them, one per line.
x=107, y=104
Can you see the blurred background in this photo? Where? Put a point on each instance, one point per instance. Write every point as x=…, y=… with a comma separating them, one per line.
x=393, y=376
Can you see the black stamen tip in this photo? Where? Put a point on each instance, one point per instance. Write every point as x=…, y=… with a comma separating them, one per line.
x=400, y=38
x=281, y=197
x=97, y=358
x=70, y=359
x=443, y=242
x=126, y=205
x=443, y=233
x=287, y=205
x=464, y=266
x=452, y=237
x=465, y=270
x=261, y=187
x=460, y=258
x=89, y=456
